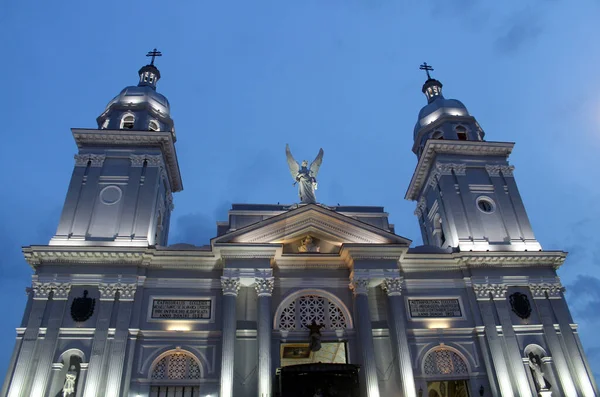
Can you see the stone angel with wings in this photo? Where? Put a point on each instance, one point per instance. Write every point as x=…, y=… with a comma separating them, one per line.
x=305, y=176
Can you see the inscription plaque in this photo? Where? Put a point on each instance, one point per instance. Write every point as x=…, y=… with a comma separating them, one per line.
x=434, y=308
x=181, y=309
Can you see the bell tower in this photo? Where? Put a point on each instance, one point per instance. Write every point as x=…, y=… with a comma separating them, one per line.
x=125, y=172
x=466, y=194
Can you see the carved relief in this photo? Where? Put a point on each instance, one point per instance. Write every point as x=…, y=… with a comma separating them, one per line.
x=264, y=286
x=507, y=170
x=553, y=290
x=483, y=291
x=493, y=169
x=81, y=160
x=137, y=160
x=307, y=244
x=97, y=160
x=43, y=290
x=154, y=160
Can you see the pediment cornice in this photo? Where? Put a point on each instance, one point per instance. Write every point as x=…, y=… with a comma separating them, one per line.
x=308, y=219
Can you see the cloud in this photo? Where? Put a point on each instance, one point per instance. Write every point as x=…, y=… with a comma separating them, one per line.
x=520, y=29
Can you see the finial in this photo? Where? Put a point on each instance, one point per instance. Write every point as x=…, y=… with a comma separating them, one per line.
x=154, y=53
x=426, y=68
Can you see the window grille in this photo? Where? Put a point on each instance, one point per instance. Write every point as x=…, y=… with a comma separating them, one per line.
x=303, y=310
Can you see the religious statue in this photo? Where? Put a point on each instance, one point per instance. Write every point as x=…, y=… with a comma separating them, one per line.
x=535, y=364
x=305, y=176
x=68, y=389
x=315, y=335
x=307, y=245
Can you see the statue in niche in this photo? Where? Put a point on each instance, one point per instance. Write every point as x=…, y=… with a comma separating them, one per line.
x=535, y=364
x=305, y=176
x=315, y=335
x=68, y=389
x=307, y=245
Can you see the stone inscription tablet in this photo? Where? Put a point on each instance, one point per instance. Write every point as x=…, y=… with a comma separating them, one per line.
x=181, y=309
x=434, y=308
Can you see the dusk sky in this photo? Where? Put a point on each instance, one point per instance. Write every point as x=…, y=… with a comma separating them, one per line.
x=246, y=77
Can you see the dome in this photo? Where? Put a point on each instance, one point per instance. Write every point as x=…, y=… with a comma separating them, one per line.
x=139, y=107
x=139, y=96
x=437, y=108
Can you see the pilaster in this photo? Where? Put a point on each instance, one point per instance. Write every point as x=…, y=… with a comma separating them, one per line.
x=22, y=376
x=87, y=199
x=58, y=304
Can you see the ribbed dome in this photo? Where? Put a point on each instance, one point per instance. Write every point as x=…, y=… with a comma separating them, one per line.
x=439, y=107
x=141, y=95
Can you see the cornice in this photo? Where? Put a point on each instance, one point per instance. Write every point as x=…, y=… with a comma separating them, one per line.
x=511, y=259
x=163, y=140
x=463, y=148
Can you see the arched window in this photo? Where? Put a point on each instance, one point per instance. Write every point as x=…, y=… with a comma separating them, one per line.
x=105, y=124
x=443, y=361
x=177, y=366
x=298, y=313
x=461, y=133
x=153, y=125
x=127, y=122
x=437, y=135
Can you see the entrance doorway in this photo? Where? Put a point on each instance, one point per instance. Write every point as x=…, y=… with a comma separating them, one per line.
x=448, y=388
x=175, y=391
x=300, y=353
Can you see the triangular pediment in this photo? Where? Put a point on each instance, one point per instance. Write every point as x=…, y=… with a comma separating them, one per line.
x=321, y=224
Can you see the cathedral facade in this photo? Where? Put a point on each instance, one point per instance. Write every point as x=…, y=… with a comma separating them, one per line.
x=299, y=300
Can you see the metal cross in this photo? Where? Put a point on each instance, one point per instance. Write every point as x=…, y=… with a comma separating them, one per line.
x=426, y=68
x=153, y=54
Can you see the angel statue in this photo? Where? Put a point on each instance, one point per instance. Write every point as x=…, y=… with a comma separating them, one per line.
x=306, y=178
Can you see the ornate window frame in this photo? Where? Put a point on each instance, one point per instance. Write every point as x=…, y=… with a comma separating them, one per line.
x=122, y=123
x=167, y=381
x=328, y=296
x=449, y=376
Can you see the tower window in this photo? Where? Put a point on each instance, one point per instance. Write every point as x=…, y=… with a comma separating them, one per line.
x=461, y=133
x=437, y=135
x=127, y=122
x=105, y=124
x=486, y=205
x=153, y=125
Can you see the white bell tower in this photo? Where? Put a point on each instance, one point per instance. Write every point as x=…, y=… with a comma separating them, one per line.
x=467, y=197
x=125, y=172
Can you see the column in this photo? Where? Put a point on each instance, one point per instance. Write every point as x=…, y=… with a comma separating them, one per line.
x=95, y=373
x=579, y=372
x=231, y=286
x=397, y=323
x=556, y=351
x=360, y=286
x=19, y=383
x=119, y=344
x=264, y=289
x=41, y=380
x=484, y=292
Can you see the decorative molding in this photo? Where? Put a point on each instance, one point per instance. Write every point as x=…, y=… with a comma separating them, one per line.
x=434, y=147
x=137, y=160
x=421, y=207
x=507, y=170
x=108, y=291
x=81, y=160
x=170, y=205
x=483, y=291
x=392, y=286
x=359, y=285
x=42, y=290
x=154, y=160
x=264, y=285
x=230, y=285
x=97, y=160
x=493, y=169
x=551, y=289
x=124, y=138
x=512, y=259
x=459, y=169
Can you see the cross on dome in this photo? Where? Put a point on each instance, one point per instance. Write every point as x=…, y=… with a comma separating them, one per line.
x=427, y=68
x=154, y=53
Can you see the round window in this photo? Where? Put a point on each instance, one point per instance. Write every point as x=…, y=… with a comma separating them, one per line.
x=486, y=204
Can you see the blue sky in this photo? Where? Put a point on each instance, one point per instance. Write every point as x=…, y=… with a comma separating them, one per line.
x=246, y=77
